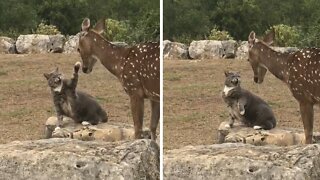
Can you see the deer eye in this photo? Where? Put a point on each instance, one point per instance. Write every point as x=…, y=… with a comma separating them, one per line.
x=78, y=49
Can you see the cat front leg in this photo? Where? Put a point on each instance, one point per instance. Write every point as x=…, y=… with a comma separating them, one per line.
x=59, y=116
x=231, y=119
x=241, y=104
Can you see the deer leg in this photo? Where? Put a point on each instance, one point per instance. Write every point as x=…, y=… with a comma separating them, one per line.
x=137, y=110
x=306, y=110
x=155, y=116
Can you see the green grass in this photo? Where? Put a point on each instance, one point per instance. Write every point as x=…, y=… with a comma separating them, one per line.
x=3, y=73
x=172, y=76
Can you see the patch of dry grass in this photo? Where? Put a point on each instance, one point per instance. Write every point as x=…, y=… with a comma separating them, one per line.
x=25, y=99
x=193, y=107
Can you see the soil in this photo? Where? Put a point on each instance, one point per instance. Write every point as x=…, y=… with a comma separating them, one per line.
x=194, y=109
x=25, y=98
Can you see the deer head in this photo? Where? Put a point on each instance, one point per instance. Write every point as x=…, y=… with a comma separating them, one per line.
x=256, y=48
x=87, y=41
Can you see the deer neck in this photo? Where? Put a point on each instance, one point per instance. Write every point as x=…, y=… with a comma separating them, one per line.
x=110, y=55
x=275, y=62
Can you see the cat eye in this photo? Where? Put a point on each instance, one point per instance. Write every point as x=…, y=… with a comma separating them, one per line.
x=57, y=80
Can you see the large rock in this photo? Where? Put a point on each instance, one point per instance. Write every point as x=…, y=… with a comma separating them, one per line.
x=243, y=162
x=7, y=45
x=229, y=49
x=71, y=44
x=207, y=49
x=242, y=50
x=37, y=43
x=56, y=44
x=243, y=47
x=285, y=49
x=175, y=50
x=74, y=159
x=276, y=136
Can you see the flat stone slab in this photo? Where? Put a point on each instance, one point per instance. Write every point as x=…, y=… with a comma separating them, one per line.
x=243, y=162
x=61, y=158
x=109, y=132
x=276, y=136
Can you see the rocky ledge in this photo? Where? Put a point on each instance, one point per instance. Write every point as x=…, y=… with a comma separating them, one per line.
x=74, y=159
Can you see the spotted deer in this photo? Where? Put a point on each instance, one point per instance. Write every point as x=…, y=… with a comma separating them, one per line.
x=136, y=67
x=299, y=70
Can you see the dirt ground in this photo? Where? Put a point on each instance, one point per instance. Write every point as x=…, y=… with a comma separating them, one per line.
x=193, y=107
x=25, y=98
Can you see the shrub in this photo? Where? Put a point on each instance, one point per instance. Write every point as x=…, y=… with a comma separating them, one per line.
x=116, y=30
x=216, y=34
x=311, y=37
x=286, y=35
x=47, y=29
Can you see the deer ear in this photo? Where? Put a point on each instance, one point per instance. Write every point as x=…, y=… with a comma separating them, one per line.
x=268, y=38
x=46, y=75
x=85, y=24
x=100, y=26
x=252, y=36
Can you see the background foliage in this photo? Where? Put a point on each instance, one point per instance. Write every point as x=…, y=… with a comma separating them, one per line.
x=297, y=21
x=130, y=20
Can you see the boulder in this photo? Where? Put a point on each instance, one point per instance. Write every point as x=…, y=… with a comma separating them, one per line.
x=229, y=49
x=243, y=162
x=175, y=50
x=7, y=45
x=38, y=43
x=120, y=44
x=248, y=135
x=56, y=43
x=71, y=44
x=242, y=50
x=207, y=49
x=74, y=159
x=285, y=49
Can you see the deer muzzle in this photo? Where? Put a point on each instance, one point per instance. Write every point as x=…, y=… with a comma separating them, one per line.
x=86, y=70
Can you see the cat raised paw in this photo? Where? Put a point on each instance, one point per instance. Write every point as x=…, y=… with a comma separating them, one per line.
x=77, y=66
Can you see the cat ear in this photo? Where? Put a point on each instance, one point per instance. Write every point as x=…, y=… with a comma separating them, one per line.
x=226, y=73
x=46, y=75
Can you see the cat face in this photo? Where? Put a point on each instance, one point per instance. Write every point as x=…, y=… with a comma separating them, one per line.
x=232, y=79
x=55, y=80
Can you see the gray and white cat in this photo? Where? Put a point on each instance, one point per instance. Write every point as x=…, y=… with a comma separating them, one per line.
x=79, y=106
x=245, y=106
